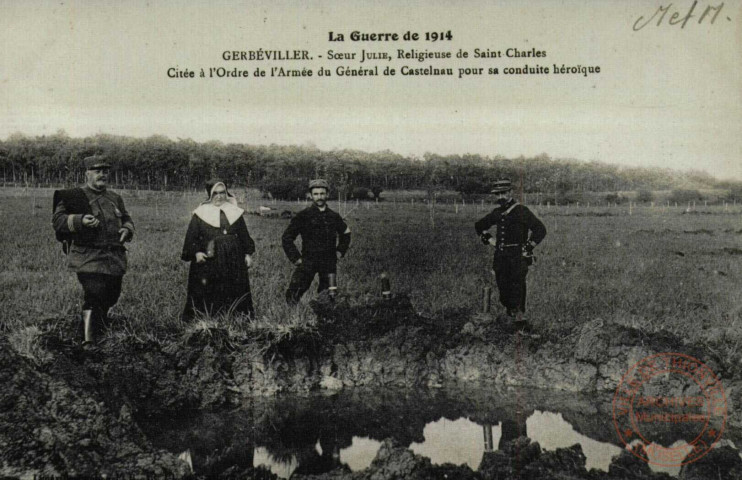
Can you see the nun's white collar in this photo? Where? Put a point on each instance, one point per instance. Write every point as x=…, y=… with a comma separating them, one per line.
x=209, y=213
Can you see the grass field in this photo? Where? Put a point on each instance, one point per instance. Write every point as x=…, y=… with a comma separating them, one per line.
x=656, y=268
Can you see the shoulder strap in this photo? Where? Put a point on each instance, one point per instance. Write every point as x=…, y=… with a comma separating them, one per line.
x=510, y=209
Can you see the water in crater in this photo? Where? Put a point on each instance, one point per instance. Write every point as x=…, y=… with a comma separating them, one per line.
x=316, y=433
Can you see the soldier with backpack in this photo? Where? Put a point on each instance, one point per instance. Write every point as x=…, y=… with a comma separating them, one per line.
x=518, y=232
x=92, y=223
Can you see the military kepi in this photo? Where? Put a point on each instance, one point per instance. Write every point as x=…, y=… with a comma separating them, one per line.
x=319, y=183
x=96, y=162
x=502, y=186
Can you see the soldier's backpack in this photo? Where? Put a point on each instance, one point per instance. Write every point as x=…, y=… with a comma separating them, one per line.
x=76, y=202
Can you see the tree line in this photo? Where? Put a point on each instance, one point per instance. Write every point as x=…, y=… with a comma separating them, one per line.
x=160, y=163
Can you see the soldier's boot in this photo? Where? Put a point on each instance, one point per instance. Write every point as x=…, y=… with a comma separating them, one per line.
x=520, y=323
x=88, y=323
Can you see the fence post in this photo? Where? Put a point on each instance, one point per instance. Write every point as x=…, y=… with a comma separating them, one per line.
x=386, y=287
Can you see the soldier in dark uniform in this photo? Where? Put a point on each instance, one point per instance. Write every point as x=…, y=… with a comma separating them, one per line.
x=325, y=237
x=518, y=232
x=93, y=224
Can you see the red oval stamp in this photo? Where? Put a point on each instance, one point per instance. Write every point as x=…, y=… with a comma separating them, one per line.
x=669, y=409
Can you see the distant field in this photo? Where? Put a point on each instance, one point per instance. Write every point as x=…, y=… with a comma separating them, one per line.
x=658, y=267
x=659, y=197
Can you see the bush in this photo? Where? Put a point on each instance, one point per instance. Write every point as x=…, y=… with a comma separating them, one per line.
x=376, y=190
x=361, y=193
x=285, y=188
x=614, y=198
x=735, y=193
x=644, y=196
x=685, y=196
x=473, y=186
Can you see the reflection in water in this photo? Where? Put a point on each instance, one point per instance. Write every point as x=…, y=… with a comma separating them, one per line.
x=283, y=469
x=317, y=433
x=360, y=454
x=489, y=441
x=452, y=441
x=460, y=441
x=463, y=442
x=551, y=431
x=679, y=446
x=186, y=457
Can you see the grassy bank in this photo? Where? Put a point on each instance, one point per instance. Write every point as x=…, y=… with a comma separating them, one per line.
x=652, y=267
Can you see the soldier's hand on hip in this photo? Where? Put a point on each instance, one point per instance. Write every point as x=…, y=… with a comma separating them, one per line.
x=298, y=262
x=340, y=255
x=200, y=257
x=90, y=221
x=248, y=261
x=492, y=241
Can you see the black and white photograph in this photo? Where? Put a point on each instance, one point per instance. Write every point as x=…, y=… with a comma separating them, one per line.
x=491, y=240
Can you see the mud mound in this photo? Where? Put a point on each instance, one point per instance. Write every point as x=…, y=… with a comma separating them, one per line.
x=151, y=378
x=723, y=462
x=341, y=321
x=601, y=343
x=499, y=331
x=49, y=427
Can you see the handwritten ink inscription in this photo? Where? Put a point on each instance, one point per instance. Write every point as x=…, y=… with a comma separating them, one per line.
x=678, y=16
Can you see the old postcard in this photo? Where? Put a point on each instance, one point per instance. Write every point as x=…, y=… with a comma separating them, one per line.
x=519, y=222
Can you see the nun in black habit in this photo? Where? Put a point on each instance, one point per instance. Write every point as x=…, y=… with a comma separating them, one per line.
x=220, y=250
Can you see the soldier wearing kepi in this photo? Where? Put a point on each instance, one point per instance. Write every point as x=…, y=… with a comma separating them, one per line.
x=93, y=224
x=518, y=232
x=325, y=237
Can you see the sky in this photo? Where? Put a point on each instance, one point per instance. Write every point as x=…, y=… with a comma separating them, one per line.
x=665, y=96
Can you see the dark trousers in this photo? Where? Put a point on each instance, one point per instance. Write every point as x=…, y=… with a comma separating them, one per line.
x=322, y=264
x=510, y=273
x=100, y=292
